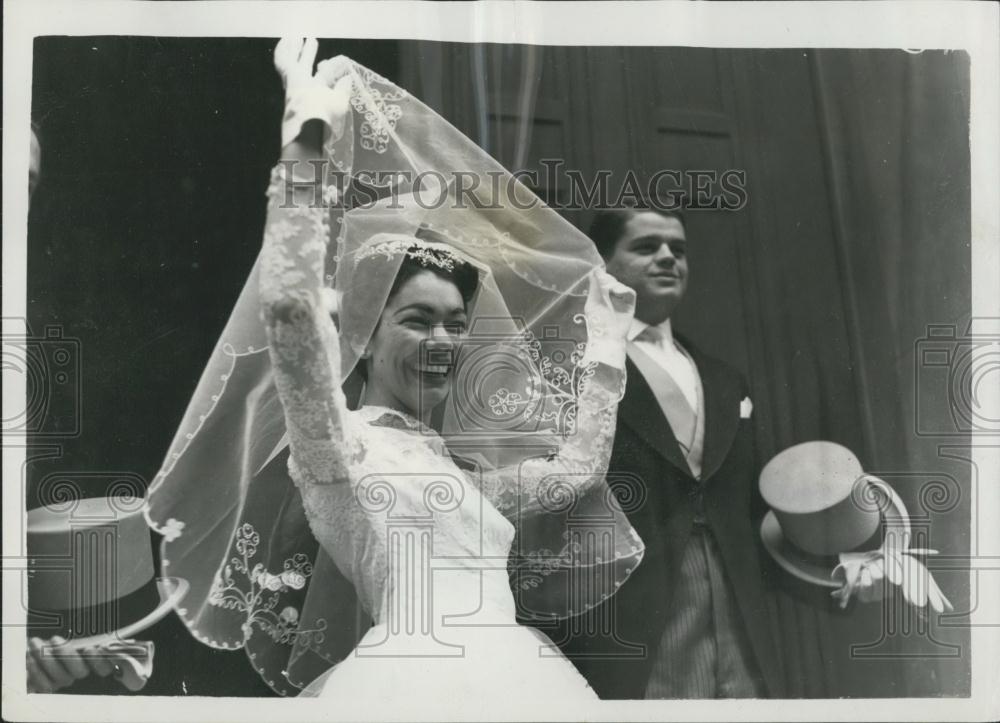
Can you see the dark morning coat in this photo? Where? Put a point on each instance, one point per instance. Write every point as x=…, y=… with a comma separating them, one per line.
x=645, y=449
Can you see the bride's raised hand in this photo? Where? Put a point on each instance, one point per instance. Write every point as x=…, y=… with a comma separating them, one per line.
x=294, y=59
x=610, y=306
x=609, y=310
x=323, y=95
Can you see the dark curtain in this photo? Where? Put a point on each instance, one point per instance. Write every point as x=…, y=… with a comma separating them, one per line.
x=851, y=367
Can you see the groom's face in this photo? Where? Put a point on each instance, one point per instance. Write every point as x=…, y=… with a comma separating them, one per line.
x=651, y=258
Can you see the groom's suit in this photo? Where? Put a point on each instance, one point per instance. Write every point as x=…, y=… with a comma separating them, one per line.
x=714, y=514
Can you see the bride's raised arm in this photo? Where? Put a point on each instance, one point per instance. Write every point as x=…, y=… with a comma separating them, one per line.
x=302, y=338
x=581, y=462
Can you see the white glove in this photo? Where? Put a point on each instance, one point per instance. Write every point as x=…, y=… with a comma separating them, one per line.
x=865, y=573
x=861, y=575
x=609, y=311
x=323, y=96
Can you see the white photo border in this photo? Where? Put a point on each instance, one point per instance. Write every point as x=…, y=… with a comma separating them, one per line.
x=969, y=26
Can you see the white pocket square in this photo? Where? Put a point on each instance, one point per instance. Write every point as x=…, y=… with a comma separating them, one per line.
x=746, y=408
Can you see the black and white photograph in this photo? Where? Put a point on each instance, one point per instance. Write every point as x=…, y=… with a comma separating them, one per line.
x=501, y=360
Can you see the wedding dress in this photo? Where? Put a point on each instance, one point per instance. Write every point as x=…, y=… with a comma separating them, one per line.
x=440, y=554
x=424, y=542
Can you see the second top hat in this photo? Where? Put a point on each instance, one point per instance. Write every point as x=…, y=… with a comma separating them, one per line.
x=91, y=569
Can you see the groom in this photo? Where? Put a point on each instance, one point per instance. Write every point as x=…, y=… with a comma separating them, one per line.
x=692, y=620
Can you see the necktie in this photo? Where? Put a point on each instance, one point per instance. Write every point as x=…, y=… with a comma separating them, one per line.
x=682, y=418
x=651, y=334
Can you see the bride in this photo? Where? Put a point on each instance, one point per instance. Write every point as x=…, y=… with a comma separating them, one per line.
x=465, y=444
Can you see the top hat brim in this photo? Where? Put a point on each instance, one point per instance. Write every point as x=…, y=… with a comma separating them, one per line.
x=171, y=590
x=802, y=565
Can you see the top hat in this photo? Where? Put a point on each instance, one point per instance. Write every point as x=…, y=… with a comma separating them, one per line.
x=90, y=572
x=823, y=505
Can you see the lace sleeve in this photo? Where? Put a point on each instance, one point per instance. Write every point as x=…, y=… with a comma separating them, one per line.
x=303, y=340
x=543, y=484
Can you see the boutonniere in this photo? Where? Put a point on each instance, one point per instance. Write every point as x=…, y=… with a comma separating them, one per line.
x=746, y=408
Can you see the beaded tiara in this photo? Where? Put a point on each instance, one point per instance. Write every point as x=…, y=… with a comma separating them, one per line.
x=427, y=253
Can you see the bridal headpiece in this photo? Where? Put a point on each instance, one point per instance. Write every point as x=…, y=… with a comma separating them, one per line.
x=426, y=253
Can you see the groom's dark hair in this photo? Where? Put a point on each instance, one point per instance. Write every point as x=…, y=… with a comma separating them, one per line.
x=609, y=224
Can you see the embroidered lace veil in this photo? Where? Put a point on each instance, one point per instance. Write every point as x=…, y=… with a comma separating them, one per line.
x=232, y=520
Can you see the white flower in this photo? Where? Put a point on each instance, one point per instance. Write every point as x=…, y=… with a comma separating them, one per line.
x=172, y=529
x=746, y=408
x=294, y=579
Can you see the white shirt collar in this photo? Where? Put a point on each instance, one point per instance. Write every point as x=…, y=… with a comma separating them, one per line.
x=637, y=327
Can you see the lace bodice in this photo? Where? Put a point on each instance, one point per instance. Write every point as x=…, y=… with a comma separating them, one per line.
x=375, y=479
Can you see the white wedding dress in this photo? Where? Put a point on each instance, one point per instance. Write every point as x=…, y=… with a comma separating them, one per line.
x=424, y=542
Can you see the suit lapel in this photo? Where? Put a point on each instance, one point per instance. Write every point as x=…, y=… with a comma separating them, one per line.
x=721, y=391
x=641, y=412
x=722, y=397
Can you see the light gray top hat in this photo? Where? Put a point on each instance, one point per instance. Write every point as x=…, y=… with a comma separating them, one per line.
x=834, y=525
x=823, y=504
x=91, y=575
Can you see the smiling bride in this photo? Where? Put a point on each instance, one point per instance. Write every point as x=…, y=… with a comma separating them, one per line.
x=469, y=486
